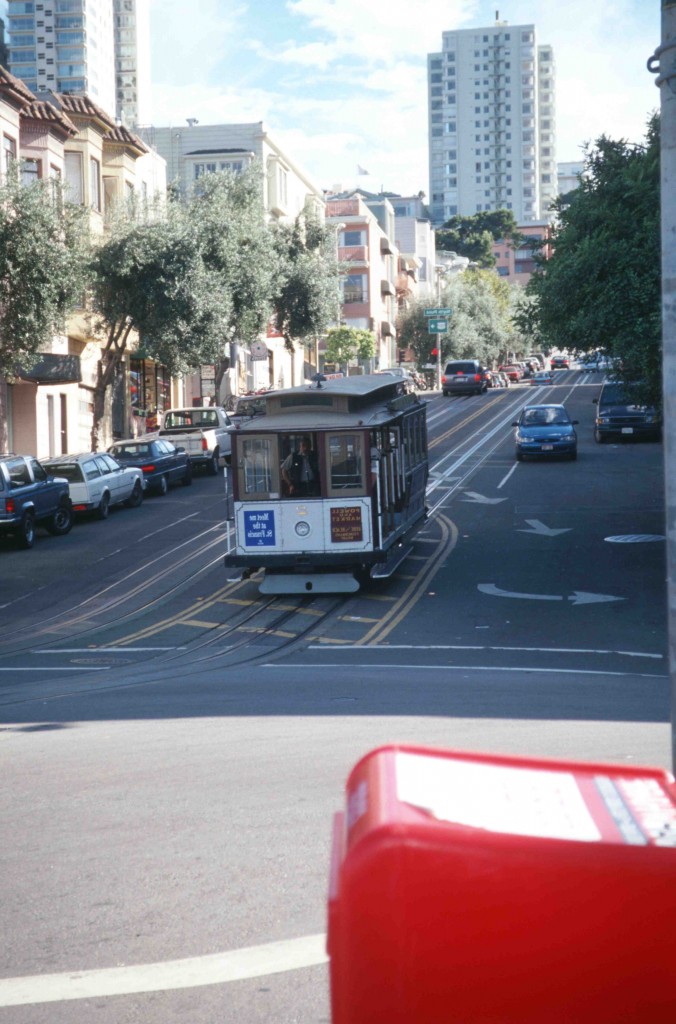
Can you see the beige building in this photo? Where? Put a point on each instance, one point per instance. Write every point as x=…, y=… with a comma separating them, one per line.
x=193, y=150
x=47, y=410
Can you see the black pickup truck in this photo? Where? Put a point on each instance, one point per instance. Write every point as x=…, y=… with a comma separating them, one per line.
x=30, y=496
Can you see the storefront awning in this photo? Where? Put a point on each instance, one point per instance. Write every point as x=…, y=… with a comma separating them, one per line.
x=52, y=369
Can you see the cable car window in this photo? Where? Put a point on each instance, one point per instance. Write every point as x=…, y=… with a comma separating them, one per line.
x=257, y=467
x=346, y=463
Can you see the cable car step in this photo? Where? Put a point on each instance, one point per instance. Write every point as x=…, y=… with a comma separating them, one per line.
x=309, y=583
x=397, y=556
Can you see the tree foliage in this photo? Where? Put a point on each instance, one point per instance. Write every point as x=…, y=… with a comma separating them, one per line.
x=343, y=344
x=479, y=325
x=307, y=297
x=185, y=283
x=43, y=261
x=473, y=236
x=601, y=288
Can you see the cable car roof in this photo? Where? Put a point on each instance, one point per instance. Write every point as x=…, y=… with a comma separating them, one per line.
x=333, y=403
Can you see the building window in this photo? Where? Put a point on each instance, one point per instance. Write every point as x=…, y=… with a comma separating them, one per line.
x=9, y=152
x=355, y=288
x=352, y=238
x=94, y=184
x=30, y=171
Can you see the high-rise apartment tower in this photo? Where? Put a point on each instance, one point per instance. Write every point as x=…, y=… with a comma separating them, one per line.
x=97, y=47
x=132, y=61
x=492, y=123
x=64, y=46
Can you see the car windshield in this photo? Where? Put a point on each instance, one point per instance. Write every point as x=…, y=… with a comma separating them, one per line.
x=616, y=394
x=544, y=417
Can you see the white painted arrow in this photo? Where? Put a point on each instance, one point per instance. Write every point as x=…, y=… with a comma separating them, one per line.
x=481, y=499
x=542, y=530
x=577, y=597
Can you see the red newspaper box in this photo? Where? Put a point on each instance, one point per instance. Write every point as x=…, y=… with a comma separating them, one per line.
x=477, y=889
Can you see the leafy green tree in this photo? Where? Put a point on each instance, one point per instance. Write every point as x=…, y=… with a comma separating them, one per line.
x=601, y=288
x=307, y=297
x=473, y=236
x=185, y=283
x=43, y=264
x=479, y=325
x=343, y=344
x=413, y=332
x=527, y=336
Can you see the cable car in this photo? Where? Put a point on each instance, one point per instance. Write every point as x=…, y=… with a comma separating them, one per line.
x=327, y=487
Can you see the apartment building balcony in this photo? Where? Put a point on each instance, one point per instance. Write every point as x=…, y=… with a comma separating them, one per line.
x=387, y=248
x=353, y=254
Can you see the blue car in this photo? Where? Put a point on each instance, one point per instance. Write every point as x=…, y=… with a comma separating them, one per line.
x=545, y=430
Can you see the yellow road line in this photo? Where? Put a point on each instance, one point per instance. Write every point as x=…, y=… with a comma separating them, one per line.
x=449, y=538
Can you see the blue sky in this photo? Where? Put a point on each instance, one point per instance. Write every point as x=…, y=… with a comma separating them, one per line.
x=341, y=83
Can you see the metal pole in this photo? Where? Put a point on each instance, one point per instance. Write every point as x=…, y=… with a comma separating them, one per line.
x=666, y=82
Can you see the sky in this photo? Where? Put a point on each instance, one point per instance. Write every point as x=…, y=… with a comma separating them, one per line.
x=342, y=84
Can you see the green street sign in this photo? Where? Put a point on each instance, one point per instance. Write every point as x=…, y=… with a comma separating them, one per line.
x=438, y=311
x=437, y=326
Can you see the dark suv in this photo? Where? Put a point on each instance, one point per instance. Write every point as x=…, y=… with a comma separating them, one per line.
x=619, y=414
x=30, y=496
x=464, y=377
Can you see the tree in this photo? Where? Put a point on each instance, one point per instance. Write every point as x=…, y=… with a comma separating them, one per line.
x=343, y=344
x=526, y=321
x=307, y=297
x=474, y=236
x=184, y=284
x=43, y=261
x=601, y=288
x=479, y=324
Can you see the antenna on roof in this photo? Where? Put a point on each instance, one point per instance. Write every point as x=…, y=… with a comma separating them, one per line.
x=192, y=121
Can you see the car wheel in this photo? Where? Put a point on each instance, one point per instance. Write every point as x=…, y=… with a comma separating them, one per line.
x=573, y=456
x=61, y=522
x=136, y=496
x=187, y=476
x=25, y=534
x=213, y=465
x=598, y=437
x=162, y=486
x=104, y=506
x=519, y=456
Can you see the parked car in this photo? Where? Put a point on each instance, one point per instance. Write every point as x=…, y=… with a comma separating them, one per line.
x=464, y=377
x=560, y=363
x=246, y=407
x=542, y=377
x=545, y=430
x=513, y=370
x=31, y=496
x=403, y=374
x=620, y=414
x=203, y=432
x=161, y=461
x=96, y=481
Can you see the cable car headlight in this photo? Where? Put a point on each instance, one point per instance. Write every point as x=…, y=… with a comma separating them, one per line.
x=302, y=528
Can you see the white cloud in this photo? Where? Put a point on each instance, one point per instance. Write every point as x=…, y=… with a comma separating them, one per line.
x=345, y=81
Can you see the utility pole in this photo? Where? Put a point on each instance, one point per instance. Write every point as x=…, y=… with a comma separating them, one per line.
x=663, y=63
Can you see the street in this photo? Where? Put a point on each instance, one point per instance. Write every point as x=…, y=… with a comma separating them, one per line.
x=174, y=745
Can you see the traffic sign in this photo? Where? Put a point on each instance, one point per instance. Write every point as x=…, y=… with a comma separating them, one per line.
x=438, y=311
x=437, y=326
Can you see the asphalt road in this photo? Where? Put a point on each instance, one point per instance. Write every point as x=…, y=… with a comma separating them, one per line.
x=173, y=747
